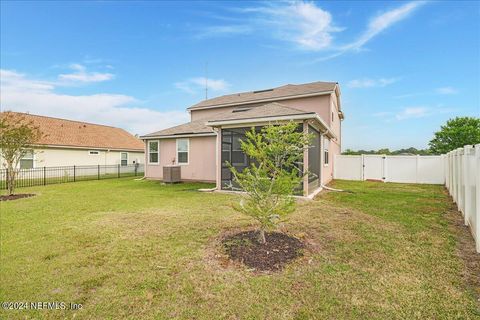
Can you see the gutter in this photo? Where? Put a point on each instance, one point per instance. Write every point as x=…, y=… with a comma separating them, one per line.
x=186, y=135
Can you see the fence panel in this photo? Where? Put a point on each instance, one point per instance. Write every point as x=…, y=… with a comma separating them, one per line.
x=348, y=167
x=52, y=175
x=403, y=169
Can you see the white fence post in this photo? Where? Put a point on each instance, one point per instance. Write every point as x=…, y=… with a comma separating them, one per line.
x=476, y=227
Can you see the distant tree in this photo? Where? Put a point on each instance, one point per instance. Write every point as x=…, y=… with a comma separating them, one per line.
x=387, y=151
x=273, y=177
x=17, y=134
x=383, y=151
x=456, y=133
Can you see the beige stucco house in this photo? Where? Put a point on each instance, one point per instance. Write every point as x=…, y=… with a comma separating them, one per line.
x=203, y=146
x=74, y=143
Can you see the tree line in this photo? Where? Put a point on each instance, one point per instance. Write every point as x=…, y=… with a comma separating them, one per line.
x=456, y=133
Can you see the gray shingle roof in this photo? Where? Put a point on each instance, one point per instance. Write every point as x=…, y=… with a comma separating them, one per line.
x=288, y=90
x=273, y=109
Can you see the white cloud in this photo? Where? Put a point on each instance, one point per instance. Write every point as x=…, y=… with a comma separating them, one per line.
x=385, y=21
x=370, y=83
x=20, y=93
x=194, y=85
x=226, y=30
x=376, y=26
x=446, y=90
x=302, y=23
x=81, y=75
x=308, y=26
x=413, y=112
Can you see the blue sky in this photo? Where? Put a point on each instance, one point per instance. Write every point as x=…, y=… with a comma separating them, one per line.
x=404, y=67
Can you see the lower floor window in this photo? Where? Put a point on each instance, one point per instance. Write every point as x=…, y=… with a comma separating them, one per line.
x=124, y=158
x=182, y=151
x=26, y=162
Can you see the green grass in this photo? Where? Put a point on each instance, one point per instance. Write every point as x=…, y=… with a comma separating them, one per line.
x=141, y=250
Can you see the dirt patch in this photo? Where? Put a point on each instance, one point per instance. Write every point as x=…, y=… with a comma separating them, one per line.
x=16, y=196
x=465, y=249
x=279, y=250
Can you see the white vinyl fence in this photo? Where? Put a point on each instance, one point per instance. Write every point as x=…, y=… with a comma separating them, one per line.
x=459, y=170
x=463, y=183
x=406, y=169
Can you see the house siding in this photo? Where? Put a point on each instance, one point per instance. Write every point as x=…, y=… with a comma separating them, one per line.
x=201, y=159
x=57, y=157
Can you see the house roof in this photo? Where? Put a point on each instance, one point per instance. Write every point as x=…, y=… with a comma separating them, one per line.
x=286, y=91
x=77, y=134
x=203, y=126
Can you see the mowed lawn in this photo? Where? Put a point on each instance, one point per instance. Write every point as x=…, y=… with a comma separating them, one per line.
x=142, y=250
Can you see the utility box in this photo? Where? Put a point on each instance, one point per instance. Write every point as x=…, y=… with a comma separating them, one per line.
x=171, y=174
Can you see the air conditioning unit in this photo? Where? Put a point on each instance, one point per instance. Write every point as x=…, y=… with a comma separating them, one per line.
x=171, y=174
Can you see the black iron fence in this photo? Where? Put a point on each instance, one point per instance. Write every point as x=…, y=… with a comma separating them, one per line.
x=50, y=175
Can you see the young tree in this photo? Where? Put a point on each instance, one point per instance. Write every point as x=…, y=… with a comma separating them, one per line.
x=275, y=174
x=17, y=134
x=456, y=133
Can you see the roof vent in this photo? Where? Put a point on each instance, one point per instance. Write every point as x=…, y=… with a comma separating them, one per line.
x=260, y=91
x=240, y=110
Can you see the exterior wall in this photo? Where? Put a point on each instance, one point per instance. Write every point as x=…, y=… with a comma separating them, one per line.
x=56, y=157
x=201, y=159
x=327, y=170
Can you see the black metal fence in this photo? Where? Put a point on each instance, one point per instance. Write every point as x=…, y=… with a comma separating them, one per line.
x=50, y=175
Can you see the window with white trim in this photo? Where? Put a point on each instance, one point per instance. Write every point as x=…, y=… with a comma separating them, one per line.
x=182, y=151
x=153, y=152
x=326, y=146
x=124, y=158
x=26, y=162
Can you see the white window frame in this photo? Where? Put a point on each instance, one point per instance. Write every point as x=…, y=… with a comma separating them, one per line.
x=326, y=151
x=33, y=160
x=188, y=152
x=158, y=151
x=93, y=152
x=121, y=159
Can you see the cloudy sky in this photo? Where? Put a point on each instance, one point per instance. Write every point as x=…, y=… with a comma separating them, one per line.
x=404, y=67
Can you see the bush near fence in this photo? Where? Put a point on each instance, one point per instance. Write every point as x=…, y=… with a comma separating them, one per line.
x=51, y=175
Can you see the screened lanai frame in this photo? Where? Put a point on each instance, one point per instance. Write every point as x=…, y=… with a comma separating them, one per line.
x=230, y=151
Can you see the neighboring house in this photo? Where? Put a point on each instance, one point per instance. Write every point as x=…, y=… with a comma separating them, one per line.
x=68, y=143
x=203, y=146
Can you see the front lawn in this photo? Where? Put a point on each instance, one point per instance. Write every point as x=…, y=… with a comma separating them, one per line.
x=141, y=250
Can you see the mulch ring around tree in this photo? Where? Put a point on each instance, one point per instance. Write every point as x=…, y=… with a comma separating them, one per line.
x=16, y=196
x=273, y=255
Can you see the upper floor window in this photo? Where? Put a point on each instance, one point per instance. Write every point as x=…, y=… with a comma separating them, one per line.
x=26, y=162
x=326, y=146
x=182, y=151
x=153, y=151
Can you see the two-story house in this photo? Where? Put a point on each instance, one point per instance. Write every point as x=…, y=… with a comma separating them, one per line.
x=203, y=146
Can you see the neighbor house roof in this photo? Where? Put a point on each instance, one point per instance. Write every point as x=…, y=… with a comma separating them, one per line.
x=286, y=91
x=204, y=126
x=68, y=133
